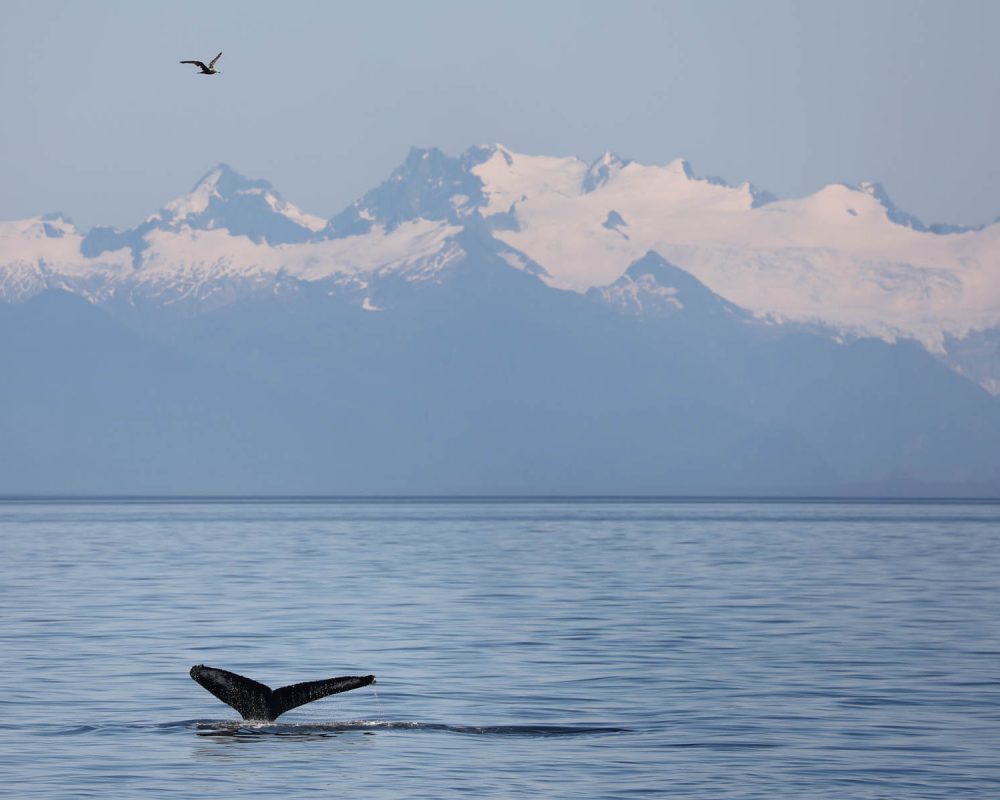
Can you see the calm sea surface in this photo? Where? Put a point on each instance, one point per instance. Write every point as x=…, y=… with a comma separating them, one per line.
x=523, y=649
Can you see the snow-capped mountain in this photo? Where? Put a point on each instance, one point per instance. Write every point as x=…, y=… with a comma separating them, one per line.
x=221, y=199
x=844, y=257
x=652, y=287
x=502, y=323
x=228, y=237
x=47, y=253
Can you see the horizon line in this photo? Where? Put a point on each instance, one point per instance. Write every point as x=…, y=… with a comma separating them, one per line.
x=137, y=498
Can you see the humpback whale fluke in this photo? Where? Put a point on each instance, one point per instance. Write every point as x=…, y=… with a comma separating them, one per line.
x=256, y=701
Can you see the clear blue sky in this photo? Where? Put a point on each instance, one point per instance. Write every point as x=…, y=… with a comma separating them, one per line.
x=323, y=99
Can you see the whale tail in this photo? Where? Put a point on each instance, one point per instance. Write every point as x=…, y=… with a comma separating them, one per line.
x=256, y=701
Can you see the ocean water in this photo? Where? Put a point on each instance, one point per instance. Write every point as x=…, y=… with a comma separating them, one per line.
x=522, y=649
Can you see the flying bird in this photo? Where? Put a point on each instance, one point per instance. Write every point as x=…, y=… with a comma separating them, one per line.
x=210, y=69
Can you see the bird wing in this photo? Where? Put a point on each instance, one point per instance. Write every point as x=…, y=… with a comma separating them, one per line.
x=288, y=697
x=211, y=64
x=200, y=64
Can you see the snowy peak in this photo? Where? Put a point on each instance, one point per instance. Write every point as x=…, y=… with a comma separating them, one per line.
x=867, y=200
x=427, y=185
x=216, y=186
x=837, y=202
x=653, y=287
x=225, y=199
x=510, y=178
x=845, y=255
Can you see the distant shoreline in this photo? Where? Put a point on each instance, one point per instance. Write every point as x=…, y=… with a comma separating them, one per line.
x=208, y=499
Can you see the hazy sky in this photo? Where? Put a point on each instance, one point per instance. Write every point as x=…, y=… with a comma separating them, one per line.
x=97, y=118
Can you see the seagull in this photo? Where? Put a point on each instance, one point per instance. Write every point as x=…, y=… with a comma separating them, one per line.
x=210, y=69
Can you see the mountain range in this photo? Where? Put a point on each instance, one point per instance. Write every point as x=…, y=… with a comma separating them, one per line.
x=501, y=323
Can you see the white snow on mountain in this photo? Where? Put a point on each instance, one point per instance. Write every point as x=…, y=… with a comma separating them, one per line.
x=834, y=256
x=209, y=189
x=217, y=252
x=203, y=264
x=293, y=212
x=195, y=202
x=210, y=265
x=843, y=256
x=511, y=179
x=44, y=253
x=633, y=295
x=227, y=237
